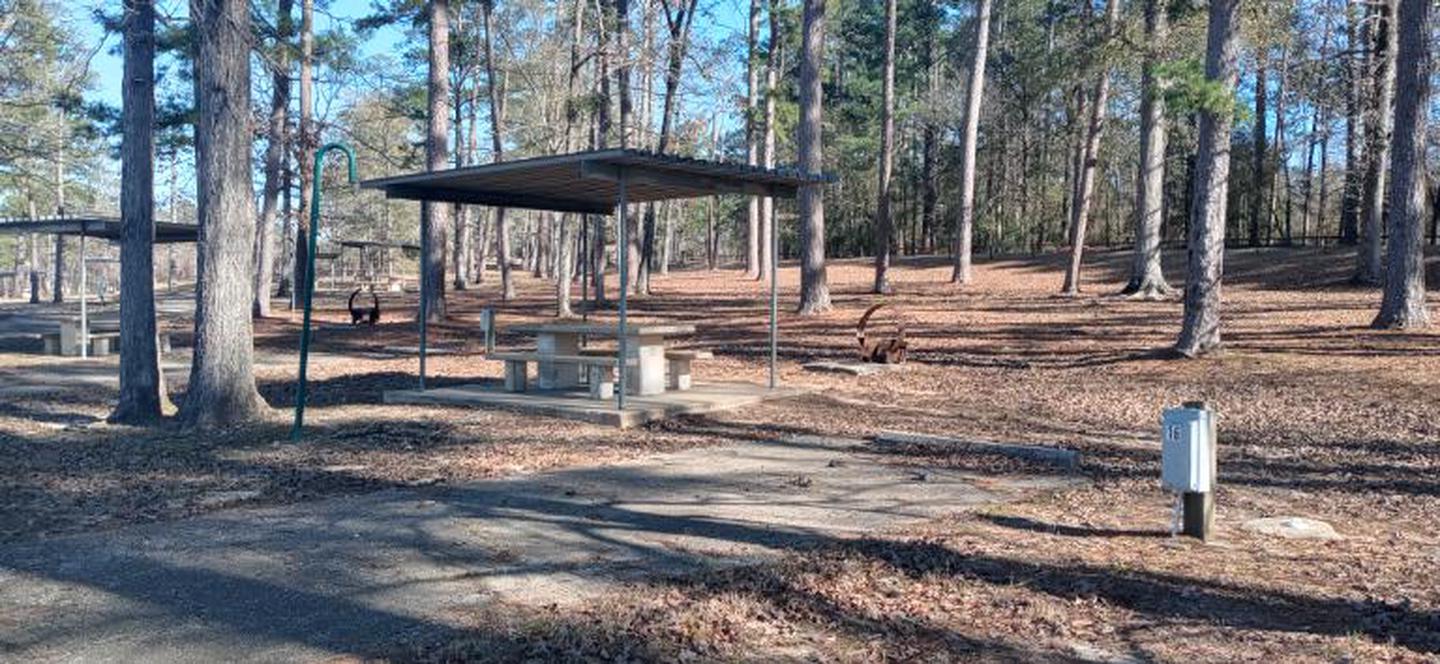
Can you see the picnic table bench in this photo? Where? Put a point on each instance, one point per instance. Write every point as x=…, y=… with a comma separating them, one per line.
x=600, y=369
x=677, y=361
x=650, y=366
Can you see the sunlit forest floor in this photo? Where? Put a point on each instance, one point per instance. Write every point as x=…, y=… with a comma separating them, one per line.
x=1319, y=417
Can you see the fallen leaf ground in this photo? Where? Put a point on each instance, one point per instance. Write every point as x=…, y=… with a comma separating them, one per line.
x=1320, y=417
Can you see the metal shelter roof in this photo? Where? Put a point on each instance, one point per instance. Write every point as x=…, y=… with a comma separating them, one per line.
x=106, y=228
x=588, y=182
x=599, y=182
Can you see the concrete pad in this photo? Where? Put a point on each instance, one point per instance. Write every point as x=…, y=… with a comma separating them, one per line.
x=576, y=404
x=1293, y=527
x=362, y=575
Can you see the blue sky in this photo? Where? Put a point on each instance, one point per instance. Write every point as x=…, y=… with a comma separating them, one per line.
x=108, y=64
x=715, y=20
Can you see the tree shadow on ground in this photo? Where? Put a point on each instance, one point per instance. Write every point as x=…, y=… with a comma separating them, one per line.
x=276, y=618
x=47, y=416
x=1172, y=597
x=1063, y=530
x=368, y=388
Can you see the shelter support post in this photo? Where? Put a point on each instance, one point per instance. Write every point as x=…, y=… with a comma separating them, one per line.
x=774, y=294
x=622, y=249
x=424, y=292
x=84, y=306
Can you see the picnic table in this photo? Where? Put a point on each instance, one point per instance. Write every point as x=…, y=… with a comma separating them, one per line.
x=102, y=335
x=558, y=346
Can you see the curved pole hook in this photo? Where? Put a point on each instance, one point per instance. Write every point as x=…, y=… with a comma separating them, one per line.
x=309, y=286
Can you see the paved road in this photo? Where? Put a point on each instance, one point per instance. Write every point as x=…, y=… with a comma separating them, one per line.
x=358, y=575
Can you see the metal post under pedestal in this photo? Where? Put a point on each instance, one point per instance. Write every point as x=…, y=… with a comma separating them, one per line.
x=1199, y=511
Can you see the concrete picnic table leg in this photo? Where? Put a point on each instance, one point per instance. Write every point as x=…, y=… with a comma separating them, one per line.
x=556, y=375
x=648, y=376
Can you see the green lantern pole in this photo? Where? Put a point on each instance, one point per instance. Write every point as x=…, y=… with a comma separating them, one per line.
x=310, y=274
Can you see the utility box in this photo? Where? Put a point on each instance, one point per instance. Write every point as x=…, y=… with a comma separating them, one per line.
x=1187, y=450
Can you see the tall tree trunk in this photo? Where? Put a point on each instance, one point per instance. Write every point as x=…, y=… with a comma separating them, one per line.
x=1434, y=220
x=814, y=287
x=712, y=240
x=221, y=389
x=600, y=140
x=33, y=262
x=930, y=142
x=484, y=241
x=1080, y=218
x=1147, y=278
x=1305, y=209
x=1200, y=333
x=669, y=239
x=57, y=290
x=172, y=264
x=33, y=243
x=1368, y=267
x=645, y=235
x=460, y=217
x=287, y=219
x=565, y=262
x=437, y=156
x=752, y=149
x=1403, y=306
x=767, y=152
x=1077, y=158
x=479, y=241
x=884, y=217
x=1322, y=205
x=1320, y=140
x=1354, y=124
x=305, y=155
x=622, y=83
x=965, y=225
x=1258, y=198
x=621, y=39
x=274, y=162
x=677, y=24
x=142, y=386
x=1279, y=153
x=543, y=231
x=497, y=148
